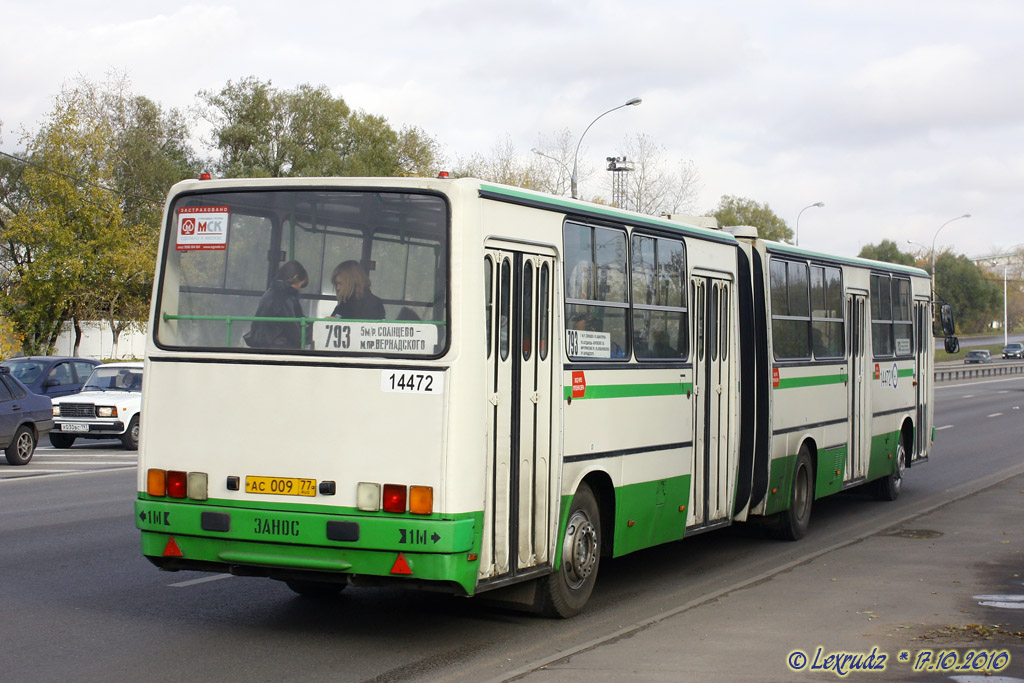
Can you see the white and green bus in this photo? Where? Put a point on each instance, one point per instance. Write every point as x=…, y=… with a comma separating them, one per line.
x=538, y=383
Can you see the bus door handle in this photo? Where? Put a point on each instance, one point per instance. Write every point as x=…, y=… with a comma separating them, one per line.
x=718, y=390
x=535, y=398
x=495, y=399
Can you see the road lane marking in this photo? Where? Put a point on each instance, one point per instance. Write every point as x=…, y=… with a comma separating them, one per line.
x=939, y=429
x=29, y=476
x=995, y=415
x=79, y=462
x=205, y=579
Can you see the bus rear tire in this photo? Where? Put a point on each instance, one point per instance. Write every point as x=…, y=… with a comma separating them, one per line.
x=793, y=522
x=316, y=589
x=889, y=486
x=564, y=592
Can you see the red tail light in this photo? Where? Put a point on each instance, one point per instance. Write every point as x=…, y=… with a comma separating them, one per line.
x=394, y=498
x=177, y=484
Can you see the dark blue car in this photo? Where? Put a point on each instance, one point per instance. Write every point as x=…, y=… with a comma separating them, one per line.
x=24, y=418
x=51, y=376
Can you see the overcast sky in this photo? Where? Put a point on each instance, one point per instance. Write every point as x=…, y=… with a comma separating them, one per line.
x=898, y=115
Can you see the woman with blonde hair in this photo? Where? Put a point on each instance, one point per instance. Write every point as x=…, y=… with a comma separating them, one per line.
x=355, y=300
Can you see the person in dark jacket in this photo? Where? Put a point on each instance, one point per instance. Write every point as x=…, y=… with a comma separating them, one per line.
x=355, y=300
x=281, y=300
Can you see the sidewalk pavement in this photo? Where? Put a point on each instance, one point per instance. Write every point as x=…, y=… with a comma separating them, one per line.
x=949, y=581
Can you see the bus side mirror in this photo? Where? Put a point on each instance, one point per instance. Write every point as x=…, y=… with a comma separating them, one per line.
x=948, y=324
x=949, y=329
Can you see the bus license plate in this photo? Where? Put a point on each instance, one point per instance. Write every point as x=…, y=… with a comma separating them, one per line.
x=280, y=486
x=73, y=427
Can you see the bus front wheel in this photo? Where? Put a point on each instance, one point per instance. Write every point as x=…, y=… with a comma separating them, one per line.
x=565, y=591
x=889, y=486
x=793, y=522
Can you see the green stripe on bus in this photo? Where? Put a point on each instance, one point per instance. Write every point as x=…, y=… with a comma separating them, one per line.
x=909, y=372
x=815, y=381
x=594, y=391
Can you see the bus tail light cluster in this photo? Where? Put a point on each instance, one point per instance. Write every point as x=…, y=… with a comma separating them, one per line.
x=371, y=497
x=177, y=484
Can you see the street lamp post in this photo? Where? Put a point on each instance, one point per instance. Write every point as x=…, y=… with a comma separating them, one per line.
x=557, y=161
x=575, y=157
x=809, y=206
x=934, y=279
x=1006, y=332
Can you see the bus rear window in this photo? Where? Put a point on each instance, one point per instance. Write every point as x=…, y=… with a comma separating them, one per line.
x=306, y=271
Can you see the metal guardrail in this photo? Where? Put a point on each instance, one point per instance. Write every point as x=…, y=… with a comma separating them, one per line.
x=981, y=370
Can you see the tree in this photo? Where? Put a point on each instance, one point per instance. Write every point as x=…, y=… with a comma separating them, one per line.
x=653, y=189
x=554, y=167
x=741, y=211
x=505, y=165
x=260, y=131
x=888, y=252
x=976, y=299
x=76, y=247
x=49, y=241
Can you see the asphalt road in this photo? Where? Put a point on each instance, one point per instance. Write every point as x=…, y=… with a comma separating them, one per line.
x=78, y=601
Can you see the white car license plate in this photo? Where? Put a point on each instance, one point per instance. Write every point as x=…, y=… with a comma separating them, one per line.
x=73, y=427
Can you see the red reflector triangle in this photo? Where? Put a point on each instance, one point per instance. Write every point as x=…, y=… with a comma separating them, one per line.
x=401, y=566
x=172, y=549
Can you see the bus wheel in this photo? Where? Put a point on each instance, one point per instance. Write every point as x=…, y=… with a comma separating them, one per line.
x=889, y=486
x=22, y=446
x=794, y=521
x=564, y=592
x=316, y=589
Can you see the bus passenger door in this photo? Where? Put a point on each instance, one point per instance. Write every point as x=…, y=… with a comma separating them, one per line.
x=858, y=440
x=519, y=385
x=710, y=483
x=923, y=376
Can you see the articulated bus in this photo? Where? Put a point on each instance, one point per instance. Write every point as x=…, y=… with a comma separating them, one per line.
x=538, y=383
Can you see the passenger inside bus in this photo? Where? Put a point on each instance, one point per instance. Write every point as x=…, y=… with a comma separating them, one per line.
x=281, y=300
x=355, y=300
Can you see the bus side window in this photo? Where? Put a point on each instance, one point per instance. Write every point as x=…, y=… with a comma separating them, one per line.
x=543, y=312
x=527, y=321
x=504, y=296
x=489, y=301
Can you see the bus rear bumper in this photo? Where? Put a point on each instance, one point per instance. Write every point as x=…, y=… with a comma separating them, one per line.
x=311, y=545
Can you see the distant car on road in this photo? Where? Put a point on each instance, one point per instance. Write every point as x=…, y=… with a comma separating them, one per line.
x=107, y=408
x=978, y=356
x=51, y=376
x=1013, y=350
x=24, y=417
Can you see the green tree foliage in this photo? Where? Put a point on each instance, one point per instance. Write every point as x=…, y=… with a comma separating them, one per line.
x=150, y=152
x=260, y=131
x=888, y=252
x=80, y=242
x=976, y=299
x=734, y=210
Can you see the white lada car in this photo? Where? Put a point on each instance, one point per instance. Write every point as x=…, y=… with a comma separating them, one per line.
x=107, y=408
